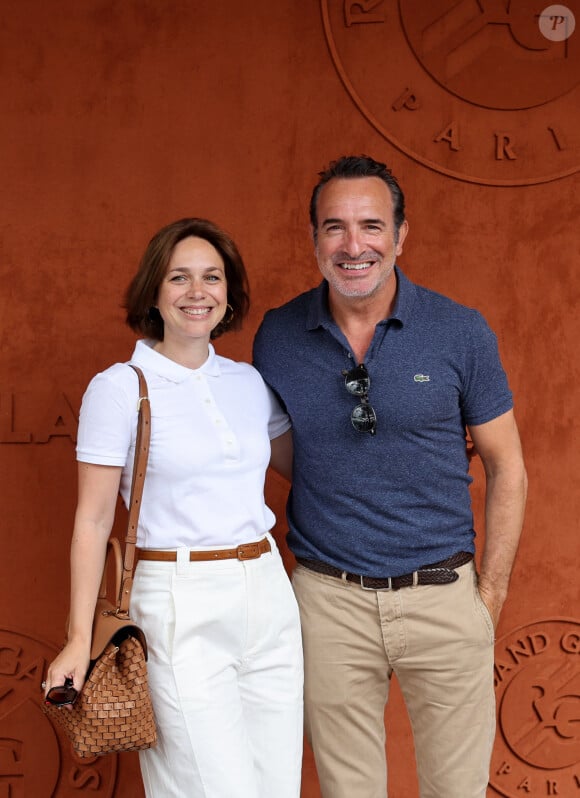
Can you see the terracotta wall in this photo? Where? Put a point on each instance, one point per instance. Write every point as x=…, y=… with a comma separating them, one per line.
x=118, y=117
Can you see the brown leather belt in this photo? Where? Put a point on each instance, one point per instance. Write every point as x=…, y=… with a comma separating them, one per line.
x=439, y=573
x=245, y=551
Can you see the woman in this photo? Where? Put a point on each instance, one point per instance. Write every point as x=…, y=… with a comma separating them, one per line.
x=225, y=658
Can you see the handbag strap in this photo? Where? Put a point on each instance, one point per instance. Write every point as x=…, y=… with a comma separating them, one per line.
x=139, y=470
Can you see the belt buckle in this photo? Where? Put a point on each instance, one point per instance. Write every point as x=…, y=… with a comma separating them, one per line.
x=248, y=551
x=376, y=589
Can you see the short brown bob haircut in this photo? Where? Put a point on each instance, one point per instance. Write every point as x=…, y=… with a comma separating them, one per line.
x=141, y=296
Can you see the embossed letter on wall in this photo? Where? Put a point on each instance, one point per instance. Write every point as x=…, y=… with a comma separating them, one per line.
x=54, y=418
x=474, y=90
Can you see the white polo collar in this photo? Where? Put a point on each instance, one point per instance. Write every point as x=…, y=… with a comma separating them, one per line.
x=148, y=358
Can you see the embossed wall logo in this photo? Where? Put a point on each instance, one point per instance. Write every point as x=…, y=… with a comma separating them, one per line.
x=472, y=89
x=537, y=682
x=35, y=760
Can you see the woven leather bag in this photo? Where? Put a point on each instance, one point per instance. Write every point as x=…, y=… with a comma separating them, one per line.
x=113, y=711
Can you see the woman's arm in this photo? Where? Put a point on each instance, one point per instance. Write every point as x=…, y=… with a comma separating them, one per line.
x=282, y=454
x=97, y=498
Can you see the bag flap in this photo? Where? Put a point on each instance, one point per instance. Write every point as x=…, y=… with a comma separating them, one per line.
x=107, y=624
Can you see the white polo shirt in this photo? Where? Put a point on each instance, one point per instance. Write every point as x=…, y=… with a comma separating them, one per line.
x=210, y=446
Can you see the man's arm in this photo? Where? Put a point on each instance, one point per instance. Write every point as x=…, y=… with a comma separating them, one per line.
x=498, y=444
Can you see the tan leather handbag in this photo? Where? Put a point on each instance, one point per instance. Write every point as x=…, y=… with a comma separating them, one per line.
x=113, y=710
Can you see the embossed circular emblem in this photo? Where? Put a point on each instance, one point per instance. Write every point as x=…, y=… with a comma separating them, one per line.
x=35, y=760
x=475, y=90
x=537, y=683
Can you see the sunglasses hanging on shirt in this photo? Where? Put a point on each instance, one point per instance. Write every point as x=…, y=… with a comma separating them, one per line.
x=357, y=382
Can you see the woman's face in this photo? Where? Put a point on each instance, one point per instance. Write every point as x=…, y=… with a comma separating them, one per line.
x=192, y=297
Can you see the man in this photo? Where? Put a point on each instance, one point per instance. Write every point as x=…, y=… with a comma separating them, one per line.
x=381, y=379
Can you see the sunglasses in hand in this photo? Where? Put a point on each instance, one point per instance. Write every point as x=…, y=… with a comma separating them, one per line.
x=63, y=695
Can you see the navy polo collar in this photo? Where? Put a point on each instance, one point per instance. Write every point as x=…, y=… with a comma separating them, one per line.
x=319, y=313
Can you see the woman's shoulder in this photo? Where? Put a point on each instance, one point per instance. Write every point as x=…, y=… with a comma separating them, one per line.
x=240, y=371
x=239, y=367
x=118, y=378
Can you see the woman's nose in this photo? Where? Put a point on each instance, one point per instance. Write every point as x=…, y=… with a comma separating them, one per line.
x=196, y=289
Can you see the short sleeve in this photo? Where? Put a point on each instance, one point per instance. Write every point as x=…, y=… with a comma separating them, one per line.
x=105, y=431
x=279, y=421
x=486, y=393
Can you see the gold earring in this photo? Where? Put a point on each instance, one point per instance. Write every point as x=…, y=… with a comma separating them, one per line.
x=227, y=319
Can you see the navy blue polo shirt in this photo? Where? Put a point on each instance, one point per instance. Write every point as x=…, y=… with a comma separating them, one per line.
x=382, y=505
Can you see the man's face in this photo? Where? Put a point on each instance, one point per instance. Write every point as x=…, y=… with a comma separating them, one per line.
x=356, y=247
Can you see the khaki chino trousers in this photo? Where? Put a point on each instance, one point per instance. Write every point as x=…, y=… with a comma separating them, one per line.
x=438, y=640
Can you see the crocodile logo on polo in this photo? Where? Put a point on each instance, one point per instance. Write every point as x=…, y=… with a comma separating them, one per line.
x=422, y=378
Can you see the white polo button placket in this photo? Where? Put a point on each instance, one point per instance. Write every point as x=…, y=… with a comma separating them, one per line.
x=229, y=444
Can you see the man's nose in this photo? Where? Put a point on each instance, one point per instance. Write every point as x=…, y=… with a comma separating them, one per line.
x=354, y=242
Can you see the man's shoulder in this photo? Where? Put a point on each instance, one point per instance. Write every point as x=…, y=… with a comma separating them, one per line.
x=432, y=305
x=283, y=329
x=296, y=304
x=437, y=300
x=294, y=311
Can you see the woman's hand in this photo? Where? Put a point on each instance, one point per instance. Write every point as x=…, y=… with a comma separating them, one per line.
x=71, y=663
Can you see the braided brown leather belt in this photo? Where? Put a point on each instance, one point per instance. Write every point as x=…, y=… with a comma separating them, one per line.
x=439, y=573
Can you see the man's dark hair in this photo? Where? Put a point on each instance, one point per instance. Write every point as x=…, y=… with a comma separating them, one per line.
x=351, y=166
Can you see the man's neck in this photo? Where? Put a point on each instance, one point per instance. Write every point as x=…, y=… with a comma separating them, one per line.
x=357, y=317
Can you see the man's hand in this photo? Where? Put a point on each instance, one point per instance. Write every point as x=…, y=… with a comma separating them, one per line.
x=493, y=601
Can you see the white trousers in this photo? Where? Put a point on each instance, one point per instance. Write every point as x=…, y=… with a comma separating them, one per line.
x=226, y=676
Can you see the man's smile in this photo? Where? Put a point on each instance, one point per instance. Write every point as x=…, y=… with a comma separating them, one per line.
x=356, y=266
